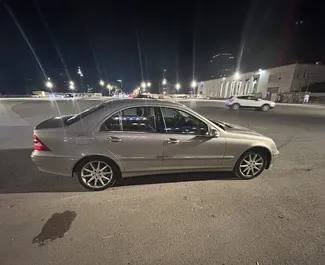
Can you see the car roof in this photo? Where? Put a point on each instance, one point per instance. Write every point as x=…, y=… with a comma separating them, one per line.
x=125, y=102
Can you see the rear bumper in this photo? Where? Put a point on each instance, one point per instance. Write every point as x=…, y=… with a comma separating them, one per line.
x=47, y=162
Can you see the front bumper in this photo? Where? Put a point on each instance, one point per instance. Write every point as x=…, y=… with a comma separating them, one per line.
x=50, y=163
x=274, y=156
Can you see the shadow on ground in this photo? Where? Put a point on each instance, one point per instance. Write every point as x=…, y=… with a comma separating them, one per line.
x=18, y=174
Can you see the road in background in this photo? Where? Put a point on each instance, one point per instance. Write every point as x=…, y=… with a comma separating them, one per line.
x=277, y=218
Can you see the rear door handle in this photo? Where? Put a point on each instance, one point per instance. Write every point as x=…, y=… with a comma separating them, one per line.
x=172, y=141
x=114, y=139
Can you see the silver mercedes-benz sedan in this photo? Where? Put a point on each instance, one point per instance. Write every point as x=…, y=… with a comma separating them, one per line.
x=133, y=137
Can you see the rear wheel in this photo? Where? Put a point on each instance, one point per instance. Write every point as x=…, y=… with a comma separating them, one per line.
x=235, y=106
x=97, y=173
x=265, y=107
x=250, y=165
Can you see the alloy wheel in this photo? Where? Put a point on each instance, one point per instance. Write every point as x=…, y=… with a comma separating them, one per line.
x=265, y=107
x=251, y=165
x=96, y=174
x=235, y=106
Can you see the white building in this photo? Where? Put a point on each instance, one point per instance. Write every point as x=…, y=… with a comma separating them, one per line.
x=265, y=83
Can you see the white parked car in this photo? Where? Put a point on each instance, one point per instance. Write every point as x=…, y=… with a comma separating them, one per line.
x=236, y=102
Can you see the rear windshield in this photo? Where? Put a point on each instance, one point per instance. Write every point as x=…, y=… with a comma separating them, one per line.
x=83, y=114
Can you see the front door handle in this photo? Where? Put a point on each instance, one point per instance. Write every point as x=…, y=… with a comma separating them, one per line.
x=172, y=141
x=114, y=139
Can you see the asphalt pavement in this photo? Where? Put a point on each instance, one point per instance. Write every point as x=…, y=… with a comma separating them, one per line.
x=277, y=218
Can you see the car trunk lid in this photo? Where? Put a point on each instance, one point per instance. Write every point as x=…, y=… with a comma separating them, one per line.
x=52, y=123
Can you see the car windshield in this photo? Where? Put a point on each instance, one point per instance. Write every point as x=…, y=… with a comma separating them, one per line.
x=83, y=114
x=220, y=124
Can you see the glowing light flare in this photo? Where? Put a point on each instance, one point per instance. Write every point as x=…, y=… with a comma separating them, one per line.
x=49, y=84
x=237, y=75
x=193, y=84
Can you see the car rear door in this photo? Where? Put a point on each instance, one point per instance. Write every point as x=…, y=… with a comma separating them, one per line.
x=187, y=144
x=131, y=136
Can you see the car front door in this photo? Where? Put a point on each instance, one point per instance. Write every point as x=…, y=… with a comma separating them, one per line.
x=131, y=136
x=245, y=102
x=187, y=144
x=254, y=102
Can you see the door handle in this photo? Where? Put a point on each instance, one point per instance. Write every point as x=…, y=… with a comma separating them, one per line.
x=114, y=139
x=172, y=141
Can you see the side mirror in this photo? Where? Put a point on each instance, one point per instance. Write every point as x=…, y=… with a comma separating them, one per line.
x=214, y=133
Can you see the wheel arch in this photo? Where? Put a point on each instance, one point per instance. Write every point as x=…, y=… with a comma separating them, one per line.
x=263, y=150
x=118, y=167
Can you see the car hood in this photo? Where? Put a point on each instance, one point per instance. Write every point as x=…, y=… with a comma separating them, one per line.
x=234, y=128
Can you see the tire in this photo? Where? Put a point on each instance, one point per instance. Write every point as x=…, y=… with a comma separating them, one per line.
x=241, y=165
x=97, y=173
x=265, y=107
x=235, y=106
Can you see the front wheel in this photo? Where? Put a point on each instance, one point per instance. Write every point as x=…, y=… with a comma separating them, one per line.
x=97, y=173
x=250, y=165
x=265, y=107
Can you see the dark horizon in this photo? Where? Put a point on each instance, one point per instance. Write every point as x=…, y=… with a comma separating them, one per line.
x=105, y=39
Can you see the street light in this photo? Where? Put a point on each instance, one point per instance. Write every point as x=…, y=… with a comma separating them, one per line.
x=193, y=84
x=49, y=84
x=178, y=86
x=148, y=84
x=102, y=83
x=143, y=85
x=71, y=85
x=164, y=82
x=237, y=75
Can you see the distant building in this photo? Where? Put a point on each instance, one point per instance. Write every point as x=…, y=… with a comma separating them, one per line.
x=266, y=83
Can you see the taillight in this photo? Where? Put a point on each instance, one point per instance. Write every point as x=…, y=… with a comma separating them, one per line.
x=230, y=100
x=39, y=145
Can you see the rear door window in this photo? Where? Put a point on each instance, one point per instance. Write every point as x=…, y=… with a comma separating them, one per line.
x=136, y=119
x=83, y=114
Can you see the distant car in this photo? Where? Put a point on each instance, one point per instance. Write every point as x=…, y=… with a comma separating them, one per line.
x=68, y=96
x=143, y=96
x=236, y=102
x=133, y=137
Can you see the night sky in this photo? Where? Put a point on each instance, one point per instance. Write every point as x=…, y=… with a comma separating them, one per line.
x=105, y=37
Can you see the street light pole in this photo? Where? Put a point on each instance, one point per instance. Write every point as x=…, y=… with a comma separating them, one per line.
x=81, y=75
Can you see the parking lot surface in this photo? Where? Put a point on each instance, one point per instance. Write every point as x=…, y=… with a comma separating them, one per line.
x=277, y=218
